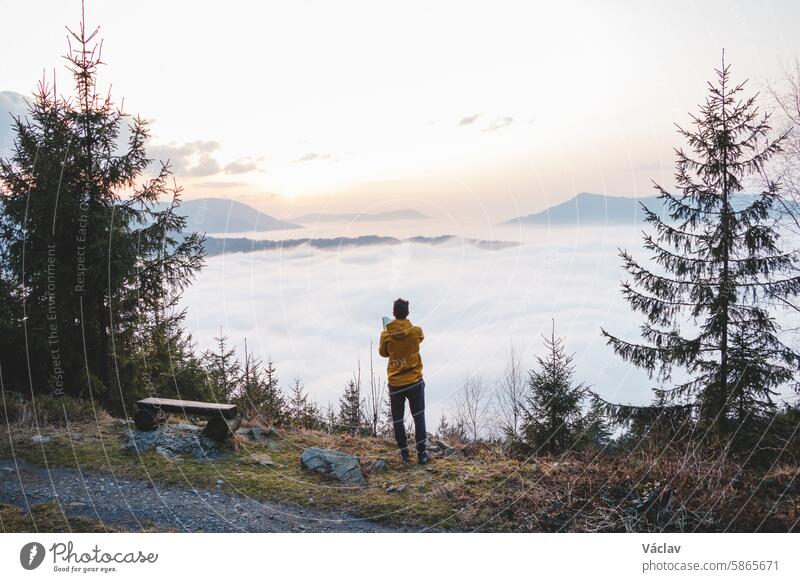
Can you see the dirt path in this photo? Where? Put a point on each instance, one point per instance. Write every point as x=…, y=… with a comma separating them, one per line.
x=132, y=505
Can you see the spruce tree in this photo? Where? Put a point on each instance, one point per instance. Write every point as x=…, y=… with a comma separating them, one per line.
x=248, y=394
x=443, y=427
x=552, y=408
x=455, y=432
x=223, y=370
x=300, y=411
x=351, y=416
x=593, y=430
x=259, y=396
x=273, y=404
x=94, y=262
x=716, y=265
x=330, y=419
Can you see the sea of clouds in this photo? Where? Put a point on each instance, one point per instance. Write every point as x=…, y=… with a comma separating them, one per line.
x=316, y=313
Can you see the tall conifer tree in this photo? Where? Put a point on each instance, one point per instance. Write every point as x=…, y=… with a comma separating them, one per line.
x=716, y=266
x=95, y=265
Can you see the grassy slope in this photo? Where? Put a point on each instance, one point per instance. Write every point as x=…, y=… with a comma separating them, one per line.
x=45, y=518
x=97, y=447
x=480, y=490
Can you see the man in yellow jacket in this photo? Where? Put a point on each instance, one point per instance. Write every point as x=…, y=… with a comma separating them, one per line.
x=400, y=343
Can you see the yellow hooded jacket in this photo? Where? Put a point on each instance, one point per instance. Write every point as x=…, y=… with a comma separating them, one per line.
x=400, y=343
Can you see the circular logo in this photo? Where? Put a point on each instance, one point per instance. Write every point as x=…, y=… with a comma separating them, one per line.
x=31, y=555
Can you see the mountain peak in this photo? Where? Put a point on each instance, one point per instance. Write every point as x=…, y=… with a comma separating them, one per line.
x=587, y=208
x=217, y=215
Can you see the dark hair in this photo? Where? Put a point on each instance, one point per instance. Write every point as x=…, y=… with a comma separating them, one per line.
x=400, y=309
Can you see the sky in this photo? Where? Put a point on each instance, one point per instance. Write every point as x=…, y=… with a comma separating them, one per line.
x=468, y=108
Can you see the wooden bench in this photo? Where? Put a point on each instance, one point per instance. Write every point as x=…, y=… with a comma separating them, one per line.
x=223, y=419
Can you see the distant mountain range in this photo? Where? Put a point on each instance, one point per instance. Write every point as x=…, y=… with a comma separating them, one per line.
x=218, y=246
x=223, y=215
x=404, y=214
x=586, y=208
x=218, y=215
x=595, y=209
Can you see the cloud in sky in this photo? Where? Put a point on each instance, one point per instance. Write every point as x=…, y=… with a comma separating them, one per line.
x=471, y=303
x=205, y=166
x=192, y=158
x=500, y=123
x=198, y=159
x=496, y=124
x=469, y=119
x=313, y=156
x=179, y=151
x=241, y=166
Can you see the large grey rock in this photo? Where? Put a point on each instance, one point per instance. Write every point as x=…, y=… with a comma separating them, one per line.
x=171, y=439
x=40, y=438
x=334, y=464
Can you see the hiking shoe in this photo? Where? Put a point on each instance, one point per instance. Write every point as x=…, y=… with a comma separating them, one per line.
x=404, y=458
x=423, y=458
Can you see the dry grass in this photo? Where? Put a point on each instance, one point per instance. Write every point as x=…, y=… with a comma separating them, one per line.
x=47, y=411
x=477, y=488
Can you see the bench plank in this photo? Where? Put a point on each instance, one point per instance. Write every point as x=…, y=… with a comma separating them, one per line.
x=189, y=407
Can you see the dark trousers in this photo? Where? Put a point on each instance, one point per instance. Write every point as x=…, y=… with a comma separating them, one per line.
x=415, y=393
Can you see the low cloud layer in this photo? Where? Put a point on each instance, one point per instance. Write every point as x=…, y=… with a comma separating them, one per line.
x=316, y=312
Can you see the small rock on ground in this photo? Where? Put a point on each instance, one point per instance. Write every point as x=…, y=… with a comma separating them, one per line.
x=335, y=464
x=378, y=466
